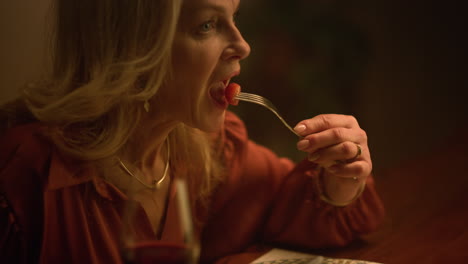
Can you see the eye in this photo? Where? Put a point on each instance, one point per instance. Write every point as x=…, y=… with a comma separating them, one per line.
x=207, y=26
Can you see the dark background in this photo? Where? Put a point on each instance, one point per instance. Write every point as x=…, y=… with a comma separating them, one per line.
x=398, y=66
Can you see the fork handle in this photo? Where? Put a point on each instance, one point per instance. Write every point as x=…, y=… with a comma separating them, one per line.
x=285, y=123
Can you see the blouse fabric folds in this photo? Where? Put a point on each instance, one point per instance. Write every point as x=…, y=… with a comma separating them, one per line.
x=54, y=209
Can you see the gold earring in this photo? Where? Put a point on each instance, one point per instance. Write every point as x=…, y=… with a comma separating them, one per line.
x=146, y=106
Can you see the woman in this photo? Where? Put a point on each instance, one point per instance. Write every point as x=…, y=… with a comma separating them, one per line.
x=136, y=98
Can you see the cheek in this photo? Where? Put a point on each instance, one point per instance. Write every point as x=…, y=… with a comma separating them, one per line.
x=188, y=86
x=192, y=73
x=183, y=67
x=195, y=59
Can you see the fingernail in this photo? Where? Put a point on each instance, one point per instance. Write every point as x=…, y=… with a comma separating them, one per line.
x=313, y=157
x=303, y=144
x=300, y=128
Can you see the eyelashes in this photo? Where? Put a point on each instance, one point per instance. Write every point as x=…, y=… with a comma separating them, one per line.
x=214, y=24
x=206, y=27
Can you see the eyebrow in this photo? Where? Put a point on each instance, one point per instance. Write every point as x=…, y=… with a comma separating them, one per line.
x=213, y=6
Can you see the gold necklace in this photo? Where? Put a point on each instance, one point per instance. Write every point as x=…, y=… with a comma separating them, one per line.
x=155, y=185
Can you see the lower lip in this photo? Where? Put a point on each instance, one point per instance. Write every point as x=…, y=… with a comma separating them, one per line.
x=223, y=105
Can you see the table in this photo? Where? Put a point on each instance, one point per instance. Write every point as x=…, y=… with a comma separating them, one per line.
x=426, y=200
x=427, y=212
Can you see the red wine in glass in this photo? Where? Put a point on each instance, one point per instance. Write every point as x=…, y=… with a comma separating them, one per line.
x=142, y=249
x=154, y=252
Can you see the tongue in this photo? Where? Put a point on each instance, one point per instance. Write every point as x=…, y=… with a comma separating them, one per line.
x=231, y=91
x=218, y=95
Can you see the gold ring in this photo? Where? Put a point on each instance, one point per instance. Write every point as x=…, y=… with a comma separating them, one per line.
x=359, y=152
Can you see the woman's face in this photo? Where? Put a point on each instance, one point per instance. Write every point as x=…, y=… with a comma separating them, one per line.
x=206, y=53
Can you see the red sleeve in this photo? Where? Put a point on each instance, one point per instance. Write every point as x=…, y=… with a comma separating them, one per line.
x=20, y=214
x=268, y=199
x=11, y=243
x=300, y=218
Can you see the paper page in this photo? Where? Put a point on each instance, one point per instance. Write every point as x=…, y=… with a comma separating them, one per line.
x=281, y=256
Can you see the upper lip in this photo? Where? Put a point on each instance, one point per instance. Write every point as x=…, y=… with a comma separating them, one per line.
x=232, y=74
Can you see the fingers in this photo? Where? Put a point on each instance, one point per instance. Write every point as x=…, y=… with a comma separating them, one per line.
x=332, y=137
x=324, y=122
x=345, y=151
x=336, y=143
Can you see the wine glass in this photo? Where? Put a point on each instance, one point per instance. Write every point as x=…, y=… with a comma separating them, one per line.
x=139, y=245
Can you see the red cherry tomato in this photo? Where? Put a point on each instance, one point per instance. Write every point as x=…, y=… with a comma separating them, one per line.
x=231, y=91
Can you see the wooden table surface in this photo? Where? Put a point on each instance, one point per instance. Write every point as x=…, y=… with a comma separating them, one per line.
x=426, y=200
x=427, y=212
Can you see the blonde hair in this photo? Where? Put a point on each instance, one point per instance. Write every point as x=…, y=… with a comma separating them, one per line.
x=110, y=56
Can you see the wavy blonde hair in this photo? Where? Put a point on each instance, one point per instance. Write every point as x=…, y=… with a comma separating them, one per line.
x=109, y=57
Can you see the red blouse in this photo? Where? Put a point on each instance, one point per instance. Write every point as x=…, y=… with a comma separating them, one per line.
x=54, y=210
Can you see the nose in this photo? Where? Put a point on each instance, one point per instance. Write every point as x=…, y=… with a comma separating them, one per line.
x=238, y=48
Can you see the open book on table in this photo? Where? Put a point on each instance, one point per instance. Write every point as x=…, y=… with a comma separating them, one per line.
x=281, y=256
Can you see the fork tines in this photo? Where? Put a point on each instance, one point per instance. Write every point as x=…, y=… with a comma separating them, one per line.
x=255, y=99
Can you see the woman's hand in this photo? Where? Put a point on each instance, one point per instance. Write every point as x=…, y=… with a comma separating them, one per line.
x=339, y=145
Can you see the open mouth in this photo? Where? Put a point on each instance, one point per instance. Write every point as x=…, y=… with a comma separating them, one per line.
x=230, y=93
x=217, y=92
x=223, y=92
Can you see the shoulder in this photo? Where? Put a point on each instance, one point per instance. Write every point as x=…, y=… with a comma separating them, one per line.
x=235, y=127
x=24, y=163
x=234, y=136
x=244, y=154
x=27, y=143
x=24, y=160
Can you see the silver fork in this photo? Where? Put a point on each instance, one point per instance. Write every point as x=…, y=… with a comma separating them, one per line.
x=260, y=100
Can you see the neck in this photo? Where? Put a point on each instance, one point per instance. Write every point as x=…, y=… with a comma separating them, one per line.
x=145, y=149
